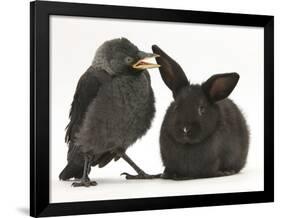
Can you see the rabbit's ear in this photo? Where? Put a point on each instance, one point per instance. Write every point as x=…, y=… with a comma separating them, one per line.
x=220, y=86
x=171, y=72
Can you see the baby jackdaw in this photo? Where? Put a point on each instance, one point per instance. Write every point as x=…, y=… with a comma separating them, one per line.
x=112, y=107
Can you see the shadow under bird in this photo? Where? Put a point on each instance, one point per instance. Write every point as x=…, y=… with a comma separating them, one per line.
x=112, y=107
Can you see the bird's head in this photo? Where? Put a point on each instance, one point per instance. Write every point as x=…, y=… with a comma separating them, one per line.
x=120, y=56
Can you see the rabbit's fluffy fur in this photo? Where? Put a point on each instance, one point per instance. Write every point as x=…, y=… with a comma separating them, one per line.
x=204, y=134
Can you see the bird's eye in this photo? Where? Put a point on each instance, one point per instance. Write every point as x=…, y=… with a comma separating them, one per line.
x=201, y=110
x=128, y=60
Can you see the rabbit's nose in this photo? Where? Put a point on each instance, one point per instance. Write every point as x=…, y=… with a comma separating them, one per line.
x=186, y=130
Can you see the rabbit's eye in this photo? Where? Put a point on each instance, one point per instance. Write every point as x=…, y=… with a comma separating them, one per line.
x=201, y=110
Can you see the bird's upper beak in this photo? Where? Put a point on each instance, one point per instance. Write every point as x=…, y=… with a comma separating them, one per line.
x=142, y=63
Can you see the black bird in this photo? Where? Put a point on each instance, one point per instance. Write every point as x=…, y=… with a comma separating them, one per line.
x=112, y=107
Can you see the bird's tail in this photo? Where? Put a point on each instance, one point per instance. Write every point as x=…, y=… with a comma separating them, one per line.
x=71, y=170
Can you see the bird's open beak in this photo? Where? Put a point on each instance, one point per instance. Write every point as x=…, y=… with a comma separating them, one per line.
x=142, y=64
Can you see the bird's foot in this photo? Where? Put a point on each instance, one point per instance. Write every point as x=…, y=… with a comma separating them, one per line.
x=142, y=175
x=85, y=183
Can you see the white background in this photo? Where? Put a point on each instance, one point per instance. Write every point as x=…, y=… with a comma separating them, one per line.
x=15, y=108
x=201, y=50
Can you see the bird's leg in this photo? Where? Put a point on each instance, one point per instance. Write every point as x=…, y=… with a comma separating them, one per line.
x=140, y=172
x=85, y=180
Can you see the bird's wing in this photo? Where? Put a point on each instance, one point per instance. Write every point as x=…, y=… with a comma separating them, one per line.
x=86, y=91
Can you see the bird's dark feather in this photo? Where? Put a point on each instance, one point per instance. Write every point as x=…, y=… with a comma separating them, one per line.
x=86, y=91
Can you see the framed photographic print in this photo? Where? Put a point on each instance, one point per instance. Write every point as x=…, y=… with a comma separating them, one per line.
x=144, y=108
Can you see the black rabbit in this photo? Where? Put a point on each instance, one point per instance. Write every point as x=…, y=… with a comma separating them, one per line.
x=203, y=134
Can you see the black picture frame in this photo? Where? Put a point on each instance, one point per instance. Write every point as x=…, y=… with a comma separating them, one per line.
x=39, y=108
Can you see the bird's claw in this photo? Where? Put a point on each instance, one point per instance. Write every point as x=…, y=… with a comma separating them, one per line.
x=85, y=183
x=140, y=176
